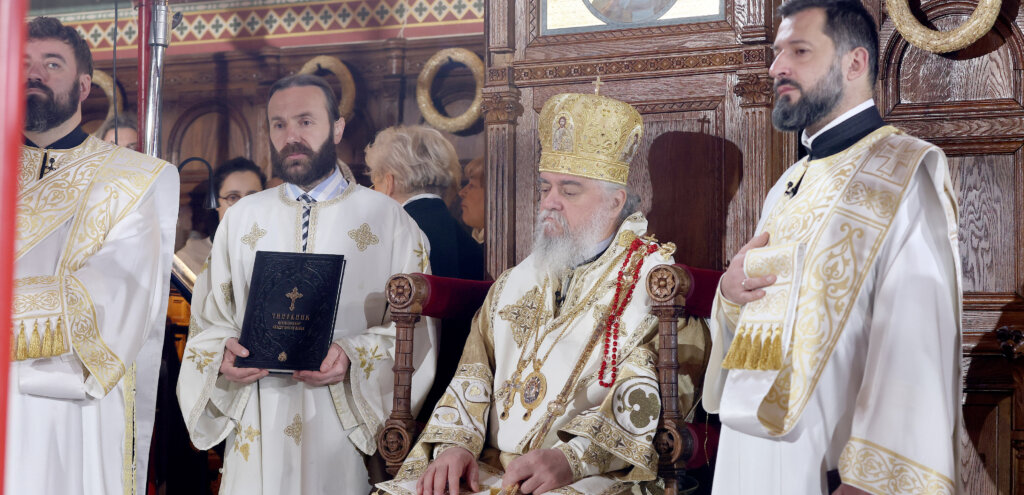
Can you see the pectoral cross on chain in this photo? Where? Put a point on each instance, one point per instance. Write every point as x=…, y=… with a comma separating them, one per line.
x=293, y=295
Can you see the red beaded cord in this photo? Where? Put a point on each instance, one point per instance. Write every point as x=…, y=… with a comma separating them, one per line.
x=611, y=335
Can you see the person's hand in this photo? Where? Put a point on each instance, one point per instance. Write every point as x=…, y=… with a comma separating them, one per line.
x=736, y=287
x=453, y=464
x=244, y=376
x=332, y=370
x=538, y=471
x=845, y=489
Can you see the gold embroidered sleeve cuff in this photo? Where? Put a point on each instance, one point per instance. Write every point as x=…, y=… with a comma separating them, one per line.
x=729, y=309
x=876, y=469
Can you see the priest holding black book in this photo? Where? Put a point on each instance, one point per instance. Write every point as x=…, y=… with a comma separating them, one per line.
x=307, y=431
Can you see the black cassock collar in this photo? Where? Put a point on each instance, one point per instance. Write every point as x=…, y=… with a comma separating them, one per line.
x=74, y=139
x=845, y=134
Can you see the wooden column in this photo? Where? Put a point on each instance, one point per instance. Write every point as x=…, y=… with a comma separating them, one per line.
x=12, y=107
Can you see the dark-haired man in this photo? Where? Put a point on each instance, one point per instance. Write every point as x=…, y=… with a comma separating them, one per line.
x=95, y=233
x=304, y=432
x=835, y=364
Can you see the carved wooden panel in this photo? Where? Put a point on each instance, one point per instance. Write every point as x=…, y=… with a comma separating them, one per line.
x=985, y=184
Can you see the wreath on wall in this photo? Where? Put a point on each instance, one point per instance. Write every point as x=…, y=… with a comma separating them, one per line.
x=980, y=22
x=103, y=81
x=426, y=79
x=348, y=84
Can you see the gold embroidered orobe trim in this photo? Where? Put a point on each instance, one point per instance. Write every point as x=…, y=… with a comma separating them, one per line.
x=128, y=453
x=871, y=467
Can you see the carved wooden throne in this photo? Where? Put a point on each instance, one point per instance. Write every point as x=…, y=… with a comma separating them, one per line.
x=678, y=291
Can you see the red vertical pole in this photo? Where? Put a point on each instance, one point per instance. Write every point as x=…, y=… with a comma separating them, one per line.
x=145, y=19
x=12, y=107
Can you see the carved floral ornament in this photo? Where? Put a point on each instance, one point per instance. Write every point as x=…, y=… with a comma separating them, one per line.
x=980, y=22
x=426, y=79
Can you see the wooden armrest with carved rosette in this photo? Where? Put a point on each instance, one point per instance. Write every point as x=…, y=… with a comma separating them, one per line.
x=406, y=293
x=678, y=291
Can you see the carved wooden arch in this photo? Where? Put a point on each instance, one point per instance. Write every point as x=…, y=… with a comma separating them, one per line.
x=891, y=56
x=189, y=116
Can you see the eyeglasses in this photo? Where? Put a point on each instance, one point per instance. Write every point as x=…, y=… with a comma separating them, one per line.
x=233, y=198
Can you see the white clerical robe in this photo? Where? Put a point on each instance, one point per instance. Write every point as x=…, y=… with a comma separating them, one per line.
x=885, y=408
x=94, y=243
x=284, y=436
x=498, y=407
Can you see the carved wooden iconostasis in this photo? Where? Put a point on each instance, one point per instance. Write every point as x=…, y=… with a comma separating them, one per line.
x=710, y=154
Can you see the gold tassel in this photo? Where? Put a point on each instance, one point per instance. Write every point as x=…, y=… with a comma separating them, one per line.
x=59, y=346
x=35, y=344
x=737, y=351
x=14, y=344
x=47, y=350
x=755, y=351
x=22, y=345
x=775, y=351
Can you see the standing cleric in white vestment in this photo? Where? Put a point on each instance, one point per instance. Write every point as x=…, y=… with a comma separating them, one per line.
x=835, y=365
x=308, y=432
x=95, y=233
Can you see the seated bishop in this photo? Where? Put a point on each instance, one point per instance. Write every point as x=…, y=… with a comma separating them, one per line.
x=557, y=389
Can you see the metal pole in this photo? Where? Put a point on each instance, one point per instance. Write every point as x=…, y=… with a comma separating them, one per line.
x=158, y=44
x=12, y=107
x=145, y=19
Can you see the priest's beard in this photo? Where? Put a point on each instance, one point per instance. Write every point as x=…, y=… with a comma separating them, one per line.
x=814, y=104
x=558, y=253
x=304, y=171
x=43, y=113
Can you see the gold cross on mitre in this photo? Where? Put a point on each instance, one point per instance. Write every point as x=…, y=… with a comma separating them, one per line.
x=293, y=295
x=597, y=85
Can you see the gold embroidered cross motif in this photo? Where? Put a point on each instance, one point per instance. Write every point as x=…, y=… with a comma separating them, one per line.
x=202, y=359
x=367, y=357
x=229, y=293
x=293, y=295
x=523, y=314
x=254, y=235
x=421, y=254
x=294, y=430
x=363, y=237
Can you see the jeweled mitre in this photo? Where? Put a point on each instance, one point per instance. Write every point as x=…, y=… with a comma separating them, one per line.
x=590, y=136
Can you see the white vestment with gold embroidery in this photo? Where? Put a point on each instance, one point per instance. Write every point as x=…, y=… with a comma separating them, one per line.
x=605, y=433
x=870, y=379
x=284, y=436
x=93, y=253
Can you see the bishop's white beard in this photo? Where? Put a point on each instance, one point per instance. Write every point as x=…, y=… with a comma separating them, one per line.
x=557, y=254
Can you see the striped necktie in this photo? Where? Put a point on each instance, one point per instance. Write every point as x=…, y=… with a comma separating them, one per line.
x=308, y=200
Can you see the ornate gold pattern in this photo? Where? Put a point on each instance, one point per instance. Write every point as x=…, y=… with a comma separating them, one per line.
x=254, y=235
x=367, y=357
x=871, y=467
x=589, y=136
x=227, y=289
x=363, y=237
x=245, y=438
x=86, y=340
x=613, y=439
x=128, y=453
x=574, y=461
x=294, y=430
x=422, y=255
x=293, y=296
x=201, y=359
x=523, y=315
x=597, y=457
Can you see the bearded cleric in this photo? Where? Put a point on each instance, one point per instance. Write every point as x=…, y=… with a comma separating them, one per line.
x=306, y=432
x=557, y=385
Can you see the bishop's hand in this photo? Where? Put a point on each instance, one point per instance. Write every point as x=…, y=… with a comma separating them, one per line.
x=452, y=465
x=735, y=286
x=539, y=471
x=245, y=376
x=332, y=370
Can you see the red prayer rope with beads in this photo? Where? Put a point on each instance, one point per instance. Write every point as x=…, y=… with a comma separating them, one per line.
x=611, y=332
